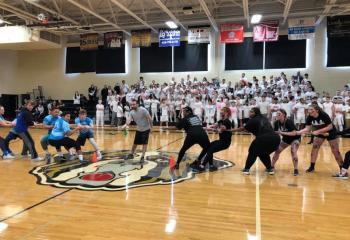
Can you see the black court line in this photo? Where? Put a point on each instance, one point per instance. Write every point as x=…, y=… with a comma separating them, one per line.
x=35, y=205
x=61, y=193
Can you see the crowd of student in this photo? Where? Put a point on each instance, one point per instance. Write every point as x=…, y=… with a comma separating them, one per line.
x=291, y=105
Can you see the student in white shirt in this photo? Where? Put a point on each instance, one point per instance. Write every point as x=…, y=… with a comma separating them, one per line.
x=273, y=108
x=120, y=114
x=100, y=108
x=164, y=113
x=264, y=105
x=347, y=114
x=114, y=108
x=300, y=110
x=154, y=108
x=197, y=107
x=339, y=115
x=328, y=107
x=172, y=113
x=209, y=112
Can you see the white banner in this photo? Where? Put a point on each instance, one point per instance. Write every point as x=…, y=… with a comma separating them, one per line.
x=301, y=28
x=198, y=35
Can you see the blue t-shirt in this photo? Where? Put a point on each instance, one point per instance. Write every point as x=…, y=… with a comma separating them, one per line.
x=50, y=121
x=24, y=120
x=59, y=130
x=86, y=122
x=2, y=118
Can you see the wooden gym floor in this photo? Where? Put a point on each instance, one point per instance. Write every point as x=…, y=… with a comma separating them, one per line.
x=216, y=205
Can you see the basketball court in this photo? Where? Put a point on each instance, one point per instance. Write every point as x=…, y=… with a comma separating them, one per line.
x=56, y=50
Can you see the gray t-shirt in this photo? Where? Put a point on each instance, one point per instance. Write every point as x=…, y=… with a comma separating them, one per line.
x=141, y=117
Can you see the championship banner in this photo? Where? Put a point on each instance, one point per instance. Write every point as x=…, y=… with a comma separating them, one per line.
x=169, y=37
x=266, y=32
x=113, y=39
x=338, y=26
x=89, y=42
x=231, y=33
x=198, y=35
x=141, y=38
x=301, y=28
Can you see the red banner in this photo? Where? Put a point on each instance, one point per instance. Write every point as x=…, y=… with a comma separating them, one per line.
x=231, y=33
x=266, y=32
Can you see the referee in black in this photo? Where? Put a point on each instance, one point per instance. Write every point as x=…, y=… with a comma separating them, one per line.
x=195, y=135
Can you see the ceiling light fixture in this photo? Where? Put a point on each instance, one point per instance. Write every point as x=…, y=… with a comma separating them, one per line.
x=256, y=18
x=171, y=24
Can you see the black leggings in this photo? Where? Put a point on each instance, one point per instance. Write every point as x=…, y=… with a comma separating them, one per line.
x=346, y=163
x=2, y=145
x=215, y=146
x=262, y=147
x=66, y=142
x=190, y=140
x=28, y=143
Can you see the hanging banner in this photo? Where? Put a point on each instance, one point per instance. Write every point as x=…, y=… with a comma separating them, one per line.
x=338, y=26
x=113, y=39
x=169, y=37
x=301, y=28
x=266, y=32
x=198, y=35
x=89, y=42
x=231, y=33
x=141, y=38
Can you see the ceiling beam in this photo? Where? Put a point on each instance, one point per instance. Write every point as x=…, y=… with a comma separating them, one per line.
x=124, y=8
x=52, y=12
x=209, y=15
x=245, y=4
x=170, y=14
x=327, y=9
x=237, y=4
x=56, y=6
x=18, y=12
x=286, y=10
x=86, y=9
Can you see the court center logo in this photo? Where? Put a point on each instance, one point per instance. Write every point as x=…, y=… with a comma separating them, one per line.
x=114, y=173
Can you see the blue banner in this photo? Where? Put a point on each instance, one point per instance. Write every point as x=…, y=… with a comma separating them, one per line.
x=169, y=37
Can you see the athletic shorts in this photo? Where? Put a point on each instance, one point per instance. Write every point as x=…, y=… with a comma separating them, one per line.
x=82, y=138
x=332, y=136
x=141, y=138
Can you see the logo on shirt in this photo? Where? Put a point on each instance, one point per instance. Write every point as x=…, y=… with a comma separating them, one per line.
x=113, y=173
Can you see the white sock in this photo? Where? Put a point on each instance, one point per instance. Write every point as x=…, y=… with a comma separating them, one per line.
x=80, y=156
x=343, y=171
x=60, y=154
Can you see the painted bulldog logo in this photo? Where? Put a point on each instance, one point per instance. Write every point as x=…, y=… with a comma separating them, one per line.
x=114, y=173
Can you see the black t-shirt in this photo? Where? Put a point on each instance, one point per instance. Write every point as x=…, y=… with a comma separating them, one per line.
x=287, y=126
x=322, y=121
x=191, y=124
x=225, y=135
x=259, y=125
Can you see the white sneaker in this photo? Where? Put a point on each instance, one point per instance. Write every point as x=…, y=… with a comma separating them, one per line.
x=38, y=159
x=99, y=156
x=8, y=156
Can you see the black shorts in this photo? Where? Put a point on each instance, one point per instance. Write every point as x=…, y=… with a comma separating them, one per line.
x=82, y=138
x=141, y=138
x=330, y=137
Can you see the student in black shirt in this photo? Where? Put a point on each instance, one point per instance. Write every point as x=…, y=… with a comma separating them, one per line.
x=195, y=135
x=224, y=128
x=320, y=121
x=286, y=128
x=266, y=140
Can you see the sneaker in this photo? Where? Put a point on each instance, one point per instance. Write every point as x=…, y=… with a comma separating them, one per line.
x=198, y=169
x=296, y=172
x=129, y=156
x=71, y=157
x=213, y=168
x=142, y=159
x=245, y=171
x=341, y=176
x=310, y=170
x=270, y=171
x=99, y=156
x=25, y=155
x=37, y=159
x=8, y=156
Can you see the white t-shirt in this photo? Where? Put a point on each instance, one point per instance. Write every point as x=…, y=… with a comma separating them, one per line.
x=274, y=107
x=263, y=107
x=197, y=108
x=100, y=107
x=327, y=107
x=300, y=109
